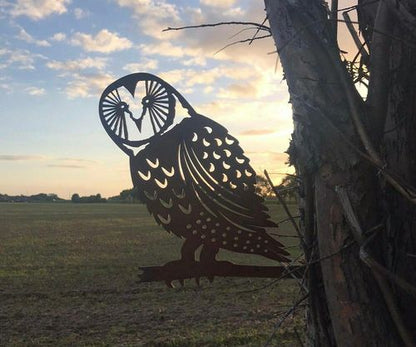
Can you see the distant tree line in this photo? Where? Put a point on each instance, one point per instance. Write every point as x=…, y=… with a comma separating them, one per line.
x=42, y=197
x=288, y=190
x=125, y=196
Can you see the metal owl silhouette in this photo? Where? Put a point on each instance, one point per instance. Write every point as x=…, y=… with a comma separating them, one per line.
x=192, y=175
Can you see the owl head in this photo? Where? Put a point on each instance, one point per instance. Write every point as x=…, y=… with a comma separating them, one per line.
x=137, y=108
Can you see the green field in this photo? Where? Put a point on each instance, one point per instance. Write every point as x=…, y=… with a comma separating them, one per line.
x=68, y=277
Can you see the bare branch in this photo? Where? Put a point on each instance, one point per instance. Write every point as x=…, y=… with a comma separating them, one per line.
x=378, y=90
x=351, y=8
x=243, y=41
x=257, y=31
x=399, y=184
x=354, y=35
x=209, y=25
x=289, y=214
x=333, y=17
x=404, y=16
x=284, y=317
x=372, y=263
x=367, y=259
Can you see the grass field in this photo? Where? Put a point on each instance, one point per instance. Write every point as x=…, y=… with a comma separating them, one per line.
x=68, y=277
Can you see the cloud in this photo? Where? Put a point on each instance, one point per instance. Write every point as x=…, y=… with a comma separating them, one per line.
x=146, y=64
x=79, y=13
x=25, y=36
x=78, y=160
x=103, y=42
x=12, y=157
x=53, y=162
x=35, y=91
x=22, y=58
x=58, y=37
x=205, y=42
x=194, y=56
x=67, y=166
x=72, y=163
x=274, y=162
x=38, y=9
x=88, y=85
x=239, y=90
x=240, y=116
x=153, y=16
x=191, y=77
x=78, y=64
x=280, y=156
x=256, y=132
x=218, y=3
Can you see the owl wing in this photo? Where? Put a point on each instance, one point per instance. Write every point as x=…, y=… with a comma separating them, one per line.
x=197, y=183
x=213, y=164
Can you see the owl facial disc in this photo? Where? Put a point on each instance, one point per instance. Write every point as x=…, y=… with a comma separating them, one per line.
x=136, y=108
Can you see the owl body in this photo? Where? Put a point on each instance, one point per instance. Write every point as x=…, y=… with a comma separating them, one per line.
x=192, y=175
x=197, y=184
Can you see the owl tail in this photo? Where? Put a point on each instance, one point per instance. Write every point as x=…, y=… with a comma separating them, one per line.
x=274, y=250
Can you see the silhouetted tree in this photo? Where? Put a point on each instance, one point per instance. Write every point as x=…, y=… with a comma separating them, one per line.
x=355, y=158
x=75, y=197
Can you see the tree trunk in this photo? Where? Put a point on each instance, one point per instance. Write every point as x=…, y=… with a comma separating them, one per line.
x=332, y=152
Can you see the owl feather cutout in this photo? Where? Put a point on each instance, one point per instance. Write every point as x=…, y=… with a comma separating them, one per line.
x=192, y=174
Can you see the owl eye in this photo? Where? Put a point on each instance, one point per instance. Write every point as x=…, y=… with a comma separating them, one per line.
x=159, y=104
x=113, y=114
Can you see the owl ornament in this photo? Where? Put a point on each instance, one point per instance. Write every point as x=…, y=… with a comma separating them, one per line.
x=193, y=177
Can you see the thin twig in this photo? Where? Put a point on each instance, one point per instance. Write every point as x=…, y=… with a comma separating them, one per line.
x=257, y=31
x=242, y=41
x=395, y=181
x=289, y=214
x=285, y=174
x=286, y=220
x=303, y=28
x=208, y=25
x=372, y=263
x=241, y=31
x=307, y=266
x=351, y=8
x=298, y=337
x=354, y=35
x=286, y=188
x=284, y=275
x=284, y=317
x=349, y=244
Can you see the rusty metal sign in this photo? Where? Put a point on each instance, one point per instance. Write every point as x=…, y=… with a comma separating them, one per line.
x=193, y=177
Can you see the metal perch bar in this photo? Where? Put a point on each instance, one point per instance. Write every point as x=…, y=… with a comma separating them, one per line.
x=170, y=272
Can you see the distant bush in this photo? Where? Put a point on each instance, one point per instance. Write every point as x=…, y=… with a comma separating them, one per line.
x=127, y=196
x=87, y=199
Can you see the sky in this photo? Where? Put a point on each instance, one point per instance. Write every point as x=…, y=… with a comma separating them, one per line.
x=57, y=56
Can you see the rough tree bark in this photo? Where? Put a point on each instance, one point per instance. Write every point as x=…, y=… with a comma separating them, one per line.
x=333, y=152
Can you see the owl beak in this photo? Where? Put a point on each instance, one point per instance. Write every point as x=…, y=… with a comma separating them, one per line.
x=139, y=124
x=139, y=120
